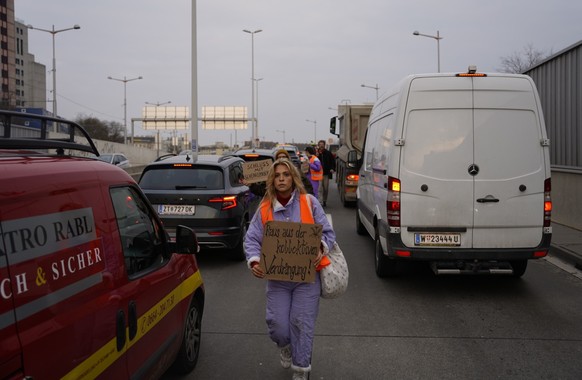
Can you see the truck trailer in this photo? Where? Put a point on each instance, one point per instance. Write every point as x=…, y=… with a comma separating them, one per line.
x=350, y=126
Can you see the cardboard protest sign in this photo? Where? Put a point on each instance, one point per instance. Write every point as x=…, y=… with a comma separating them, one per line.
x=256, y=171
x=289, y=251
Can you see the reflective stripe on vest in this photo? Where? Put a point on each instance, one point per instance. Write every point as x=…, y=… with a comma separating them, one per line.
x=315, y=175
x=304, y=210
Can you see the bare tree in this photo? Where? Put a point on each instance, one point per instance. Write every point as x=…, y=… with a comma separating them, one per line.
x=520, y=61
x=101, y=130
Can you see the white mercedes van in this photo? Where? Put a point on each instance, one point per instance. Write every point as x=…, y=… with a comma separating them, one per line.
x=456, y=172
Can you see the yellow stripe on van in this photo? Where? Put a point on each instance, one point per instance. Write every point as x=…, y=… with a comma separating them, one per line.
x=97, y=363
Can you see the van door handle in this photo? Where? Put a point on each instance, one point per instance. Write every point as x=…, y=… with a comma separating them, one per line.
x=120, y=329
x=488, y=199
x=132, y=320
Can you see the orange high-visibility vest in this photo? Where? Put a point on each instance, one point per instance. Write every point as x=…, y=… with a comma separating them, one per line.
x=315, y=175
x=304, y=210
x=306, y=217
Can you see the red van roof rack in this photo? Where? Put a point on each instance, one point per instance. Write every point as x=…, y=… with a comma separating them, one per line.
x=19, y=130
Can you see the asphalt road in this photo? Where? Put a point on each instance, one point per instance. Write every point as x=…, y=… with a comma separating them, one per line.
x=415, y=326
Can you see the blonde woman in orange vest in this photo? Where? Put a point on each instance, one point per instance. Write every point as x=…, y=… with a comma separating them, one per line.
x=292, y=307
x=315, y=174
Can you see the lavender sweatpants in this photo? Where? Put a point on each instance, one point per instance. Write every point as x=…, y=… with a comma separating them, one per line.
x=292, y=309
x=315, y=185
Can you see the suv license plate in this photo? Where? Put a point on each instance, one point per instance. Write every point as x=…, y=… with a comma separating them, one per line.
x=438, y=239
x=176, y=209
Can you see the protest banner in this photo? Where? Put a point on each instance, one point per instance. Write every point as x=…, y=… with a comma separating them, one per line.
x=289, y=250
x=256, y=171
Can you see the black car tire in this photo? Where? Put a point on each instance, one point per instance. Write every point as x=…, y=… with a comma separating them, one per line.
x=385, y=267
x=190, y=348
x=519, y=267
x=238, y=252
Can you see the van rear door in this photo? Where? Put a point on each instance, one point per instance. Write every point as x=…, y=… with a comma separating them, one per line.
x=509, y=183
x=437, y=191
x=473, y=145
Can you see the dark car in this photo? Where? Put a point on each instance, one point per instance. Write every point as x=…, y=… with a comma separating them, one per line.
x=258, y=189
x=254, y=154
x=293, y=153
x=204, y=193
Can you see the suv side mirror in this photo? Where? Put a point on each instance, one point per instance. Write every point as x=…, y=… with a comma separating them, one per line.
x=186, y=241
x=332, y=126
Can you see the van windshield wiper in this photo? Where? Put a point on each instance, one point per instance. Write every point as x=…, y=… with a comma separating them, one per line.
x=184, y=187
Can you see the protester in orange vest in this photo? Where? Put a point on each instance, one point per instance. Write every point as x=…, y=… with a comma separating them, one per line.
x=292, y=307
x=282, y=153
x=315, y=174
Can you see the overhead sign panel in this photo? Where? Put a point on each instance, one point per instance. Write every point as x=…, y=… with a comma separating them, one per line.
x=224, y=117
x=162, y=118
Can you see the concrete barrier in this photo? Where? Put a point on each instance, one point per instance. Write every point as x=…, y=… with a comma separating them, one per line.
x=567, y=197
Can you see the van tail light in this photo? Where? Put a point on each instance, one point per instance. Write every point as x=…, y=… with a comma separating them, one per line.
x=547, y=202
x=228, y=201
x=393, y=202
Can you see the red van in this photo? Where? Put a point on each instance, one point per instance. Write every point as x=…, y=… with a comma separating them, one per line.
x=90, y=284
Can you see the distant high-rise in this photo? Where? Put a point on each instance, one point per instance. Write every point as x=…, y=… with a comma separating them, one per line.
x=23, y=79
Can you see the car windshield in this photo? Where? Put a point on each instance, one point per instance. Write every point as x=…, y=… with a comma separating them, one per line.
x=105, y=157
x=171, y=178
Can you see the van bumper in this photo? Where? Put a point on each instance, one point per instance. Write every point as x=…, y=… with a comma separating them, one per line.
x=398, y=250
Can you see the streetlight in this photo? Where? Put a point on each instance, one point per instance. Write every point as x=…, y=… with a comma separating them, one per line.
x=373, y=88
x=256, y=81
x=158, y=104
x=438, y=38
x=54, y=32
x=125, y=80
x=255, y=131
x=314, y=129
x=283, y=132
x=175, y=134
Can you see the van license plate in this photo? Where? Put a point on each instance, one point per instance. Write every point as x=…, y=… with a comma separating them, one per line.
x=440, y=239
x=176, y=209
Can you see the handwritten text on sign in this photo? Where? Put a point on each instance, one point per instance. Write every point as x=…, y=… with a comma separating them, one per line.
x=289, y=251
x=256, y=171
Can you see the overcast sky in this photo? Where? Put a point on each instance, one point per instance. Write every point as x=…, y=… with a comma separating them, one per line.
x=311, y=54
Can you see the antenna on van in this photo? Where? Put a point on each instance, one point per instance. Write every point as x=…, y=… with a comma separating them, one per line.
x=472, y=69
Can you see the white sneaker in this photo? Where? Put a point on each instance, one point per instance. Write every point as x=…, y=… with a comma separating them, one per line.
x=300, y=375
x=286, y=357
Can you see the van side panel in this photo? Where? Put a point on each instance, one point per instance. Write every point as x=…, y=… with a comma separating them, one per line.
x=57, y=263
x=511, y=164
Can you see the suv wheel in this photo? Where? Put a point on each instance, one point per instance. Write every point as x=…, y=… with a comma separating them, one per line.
x=238, y=252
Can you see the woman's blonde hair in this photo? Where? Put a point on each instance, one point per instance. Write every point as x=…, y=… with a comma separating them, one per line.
x=271, y=191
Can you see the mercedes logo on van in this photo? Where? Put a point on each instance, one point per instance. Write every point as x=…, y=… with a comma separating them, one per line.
x=473, y=170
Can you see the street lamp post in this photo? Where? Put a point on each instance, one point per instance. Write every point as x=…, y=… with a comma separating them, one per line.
x=54, y=70
x=373, y=88
x=314, y=129
x=283, y=132
x=255, y=131
x=158, y=104
x=125, y=80
x=256, y=81
x=438, y=38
